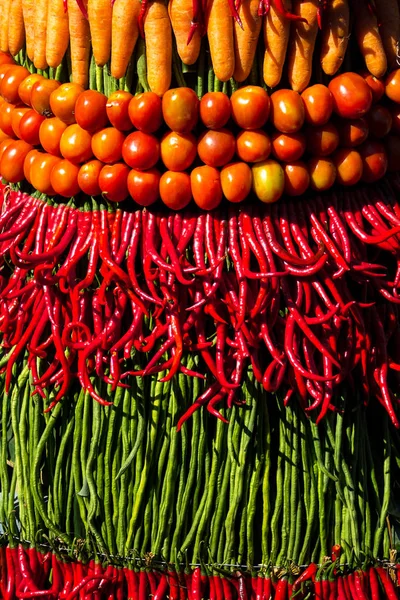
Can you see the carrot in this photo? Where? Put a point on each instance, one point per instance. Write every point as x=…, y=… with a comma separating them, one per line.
x=368, y=38
x=301, y=44
x=181, y=15
x=40, y=23
x=79, y=34
x=335, y=35
x=28, y=12
x=125, y=15
x=276, y=28
x=245, y=40
x=57, y=40
x=158, y=40
x=16, y=29
x=100, y=17
x=219, y=27
x=389, y=26
x=4, y=24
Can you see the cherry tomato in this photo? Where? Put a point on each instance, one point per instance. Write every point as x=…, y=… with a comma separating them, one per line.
x=76, y=144
x=206, y=187
x=16, y=115
x=145, y=112
x=379, y=120
x=297, y=178
x=25, y=87
x=107, y=144
x=29, y=127
x=113, y=182
x=349, y=166
x=216, y=147
x=374, y=158
x=376, y=85
x=215, y=110
x=6, y=110
x=250, y=107
x=392, y=86
x=143, y=186
x=268, y=180
x=288, y=146
x=253, y=146
x=4, y=145
x=88, y=177
x=29, y=158
x=352, y=96
x=40, y=95
x=91, y=110
x=64, y=178
x=352, y=132
x=117, y=108
x=180, y=109
x=50, y=132
x=322, y=140
x=40, y=172
x=392, y=146
x=12, y=161
x=236, y=181
x=175, y=189
x=63, y=100
x=178, y=150
x=141, y=150
x=287, y=111
x=318, y=104
x=10, y=83
x=322, y=173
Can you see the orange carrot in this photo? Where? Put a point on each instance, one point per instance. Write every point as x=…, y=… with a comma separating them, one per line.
x=57, y=33
x=5, y=17
x=40, y=21
x=368, y=38
x=276, y=28
x=79, y=34
x=28, y=12
x=302, y=43
x=245, y=40
x=158, y=40
x=181, y=15
x=125, y=15
x=16, y=29
x=335, y=35
x=219, y=27
x=389, y=27
x=100, y=16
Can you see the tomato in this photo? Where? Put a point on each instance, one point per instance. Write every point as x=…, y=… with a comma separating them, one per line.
x=352, y=132
x=349, y=166
x=180, y=109
x=29, y=127
x=376, y=85
x=216, y=147
x=63, y=100
x=297, y=178
x=352, y=96
x=4, y=145
x=91, y=110
x=395, y=114
x=29, y=158
x=40, y=95
x=141, y=150
x=268, y=180
x=206, y=187
x=215, y=110
x=76, y=144
x=4, y=136
x=64, y=178
x=113, y=182
x=143, y=186
x=12, y=161
x=322, y=140
x=288, y=146
x=318, y=104
x=50, y=132
x=253, y=146
x=287, y=111
x=107, y=144
x=117, y=109
x=175, y=189
x=10, y=83
x=375, y=161
x=4, y=69
x=6, y=59
x=88, y=177
x=392, y=86
x=322, y=173
x=6, y=110
x=25, y=87
x=250, y=107
x=40, y=172
x=379, y=121
x=16, y=115
x=236, y=181
x=392, y=146
x=145, y=112
x=178, y=150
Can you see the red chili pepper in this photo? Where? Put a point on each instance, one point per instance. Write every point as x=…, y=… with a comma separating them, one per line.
x=390, y=590
x=308, y=573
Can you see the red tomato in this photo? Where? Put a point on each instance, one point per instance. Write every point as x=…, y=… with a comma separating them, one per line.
x=10, y=83
x=4, y=68
x=29, y=127
x=50, y=132
x=374, y=158
x=88, y=177
x=236, y=181
x=322, y=173
x=377, y=86
x=250, y=107
x=145, y=112
x=297, y=178
x=29, y=158
x=253, y=146
x=352, y=96
x=25, y=87
x=91, y=110
x=41, y=91
x=113, y=182
x=392, y=146
x=349, y=166
x=318, y=104
x=117, y=108
x=352, y=132
x=322, y=140
x=6, y=59
x=4, y=136
x=180, y=109
x=287, y=111
x=12, y=161
x=107, y=144
x=63, y=100
x=64, y=178
x=76, y=144
x=379, y=121
x=178, y=150
x=215, y=110
x=288, y=146
x=141, y=150
x=6, y=110
x=392, y=86
x=40, y=172
x=216, y=147
x=175, y=189
x=206, y=187
x=268, y=181
x=16, y=115
x=4, y=145
x=143, y=186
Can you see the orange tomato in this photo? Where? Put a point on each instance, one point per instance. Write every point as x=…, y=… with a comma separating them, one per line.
x=206, y=187
x=236, y=181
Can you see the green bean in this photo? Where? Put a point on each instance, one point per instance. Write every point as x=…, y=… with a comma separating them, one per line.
x=266, y=500
x=275, y=537
x=92, y=484
x=76, y=465
x=287, y=418
x=256, y=481
x=294, y=484
x=386, y=487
